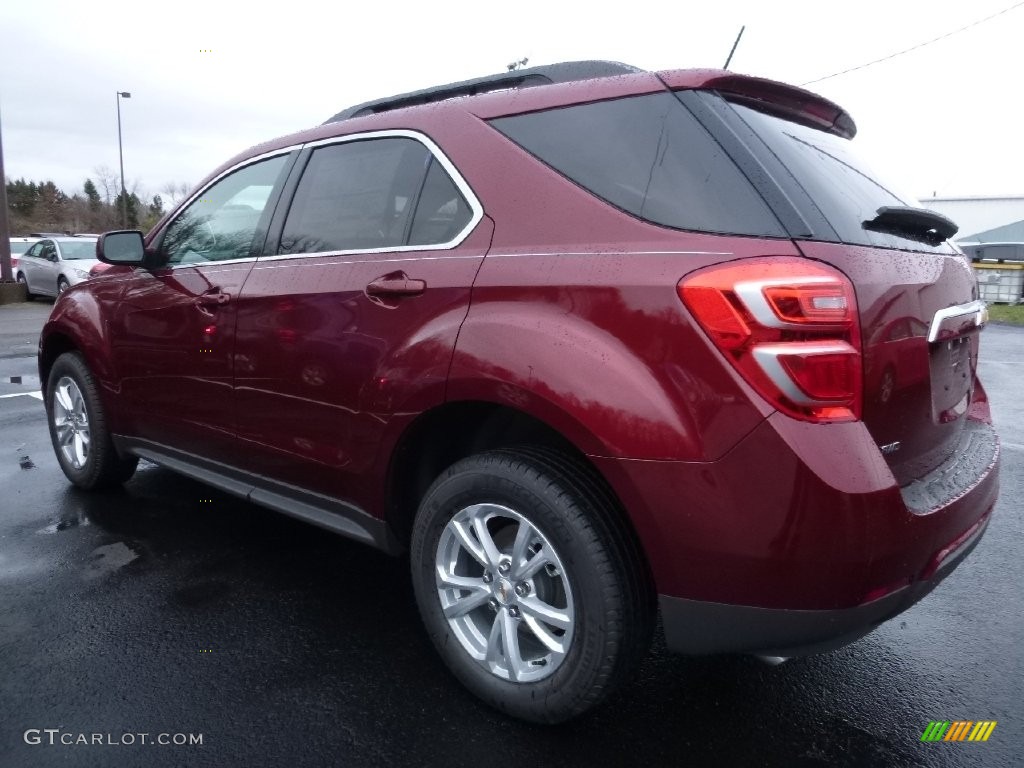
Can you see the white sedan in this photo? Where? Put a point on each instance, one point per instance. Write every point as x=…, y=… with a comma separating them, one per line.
x=54, y=264
x=18, y=246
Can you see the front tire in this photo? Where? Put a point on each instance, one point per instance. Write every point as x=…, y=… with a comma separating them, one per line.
x=78, y=427
x=528, y=585
x=62, y=285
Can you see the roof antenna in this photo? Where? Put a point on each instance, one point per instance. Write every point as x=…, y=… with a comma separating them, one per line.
x=734, y=46
x=517, y=65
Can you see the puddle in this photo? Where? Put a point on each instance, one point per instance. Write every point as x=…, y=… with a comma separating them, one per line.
x=108, y=559
x=72, y=521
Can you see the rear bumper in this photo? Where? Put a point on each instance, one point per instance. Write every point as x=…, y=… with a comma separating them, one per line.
x=800, y=537
x=696, y=627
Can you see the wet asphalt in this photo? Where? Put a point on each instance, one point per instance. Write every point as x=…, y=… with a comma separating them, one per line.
x=170, y=608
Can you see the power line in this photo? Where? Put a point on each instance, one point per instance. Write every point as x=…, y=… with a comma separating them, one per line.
x=915, y=47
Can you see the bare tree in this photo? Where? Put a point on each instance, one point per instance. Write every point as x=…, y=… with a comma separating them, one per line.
x=174, y=192
x=108, y=182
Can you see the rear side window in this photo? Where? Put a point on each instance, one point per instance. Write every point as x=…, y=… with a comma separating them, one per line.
x=648, y=156
x=442, y=211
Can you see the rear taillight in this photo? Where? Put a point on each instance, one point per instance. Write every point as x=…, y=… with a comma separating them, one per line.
x=790, y=327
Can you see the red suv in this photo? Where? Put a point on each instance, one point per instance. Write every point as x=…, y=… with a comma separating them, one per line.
x=588, y=342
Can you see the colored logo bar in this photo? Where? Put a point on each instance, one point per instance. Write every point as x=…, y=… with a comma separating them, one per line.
x=958, y=730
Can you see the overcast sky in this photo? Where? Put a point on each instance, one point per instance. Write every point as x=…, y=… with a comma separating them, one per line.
x=945, y=118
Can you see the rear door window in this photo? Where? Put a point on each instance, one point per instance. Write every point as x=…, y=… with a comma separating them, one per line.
x=650, y=157
x=373, y=194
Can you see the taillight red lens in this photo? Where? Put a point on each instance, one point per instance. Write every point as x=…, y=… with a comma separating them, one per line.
x=790, y=327
x=720, y=318
x=824, y=375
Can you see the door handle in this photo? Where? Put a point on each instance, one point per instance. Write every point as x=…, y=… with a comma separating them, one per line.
x=396, y=284
x=214, y=297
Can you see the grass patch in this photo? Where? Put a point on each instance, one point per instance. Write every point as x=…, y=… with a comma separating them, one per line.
x=1006, y=313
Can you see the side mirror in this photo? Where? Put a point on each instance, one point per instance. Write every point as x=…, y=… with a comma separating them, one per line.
x=121, y=247
x=53, y=257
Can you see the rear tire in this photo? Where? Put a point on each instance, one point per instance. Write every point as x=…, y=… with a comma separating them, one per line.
x=595, y=605
x=78, y=427
x=29, y=296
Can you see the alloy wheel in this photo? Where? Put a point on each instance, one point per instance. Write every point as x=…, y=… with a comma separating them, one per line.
x=504, y=592
x=71, y=422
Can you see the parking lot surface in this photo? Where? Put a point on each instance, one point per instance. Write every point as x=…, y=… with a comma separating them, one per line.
x=168, y=608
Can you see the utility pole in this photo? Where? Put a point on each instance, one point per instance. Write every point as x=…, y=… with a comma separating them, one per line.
x=734, y=46
x=5, y=230
x=120, y=154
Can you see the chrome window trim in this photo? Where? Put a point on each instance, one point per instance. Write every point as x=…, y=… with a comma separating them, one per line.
x=453, y=173
x=264, y=260
x=210, y=263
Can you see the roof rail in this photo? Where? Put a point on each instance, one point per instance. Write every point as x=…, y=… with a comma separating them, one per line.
x=565, y=72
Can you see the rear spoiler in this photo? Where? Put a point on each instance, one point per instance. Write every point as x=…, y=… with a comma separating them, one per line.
x=786, y=101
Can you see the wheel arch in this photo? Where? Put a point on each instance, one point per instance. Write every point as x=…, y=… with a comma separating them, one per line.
x=52, y=346
x=456, y=429
x=78, y=324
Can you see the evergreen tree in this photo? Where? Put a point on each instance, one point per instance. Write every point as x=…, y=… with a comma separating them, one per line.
x=132, y=204
x=92, y=195
x=22, y=197
x=154, y=212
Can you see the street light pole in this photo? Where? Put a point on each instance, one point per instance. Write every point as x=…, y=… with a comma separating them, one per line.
x=120, y=154
x=5, y=231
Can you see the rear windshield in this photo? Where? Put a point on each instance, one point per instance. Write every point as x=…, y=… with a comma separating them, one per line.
x=650, y=157
x=841, y=184
x=18, y=248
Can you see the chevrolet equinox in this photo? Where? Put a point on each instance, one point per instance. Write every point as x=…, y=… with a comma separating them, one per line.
x=591, y=344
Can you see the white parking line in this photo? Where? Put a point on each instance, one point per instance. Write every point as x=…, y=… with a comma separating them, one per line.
x=38, y=395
